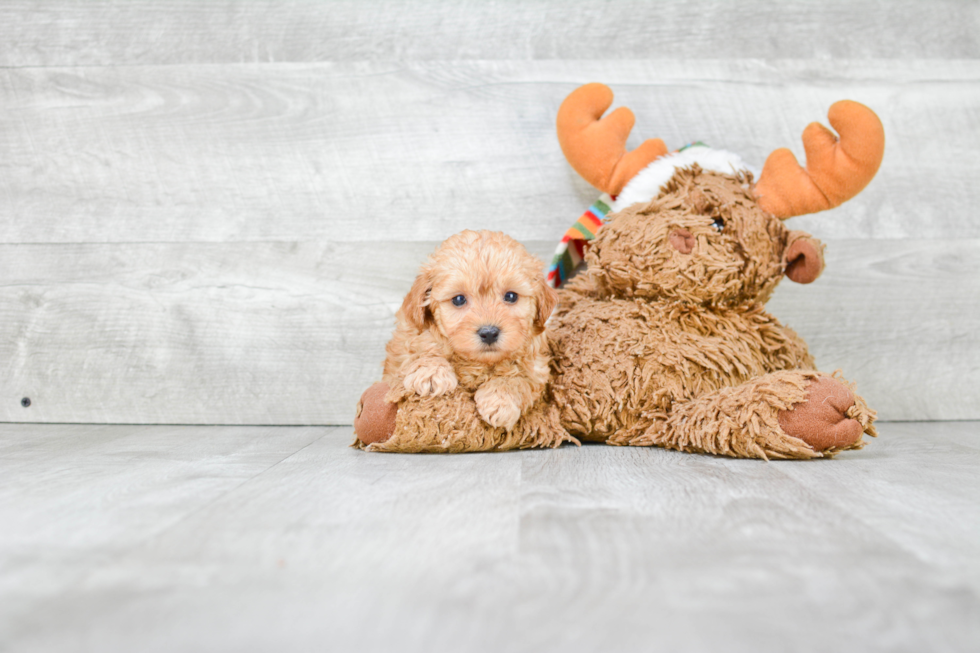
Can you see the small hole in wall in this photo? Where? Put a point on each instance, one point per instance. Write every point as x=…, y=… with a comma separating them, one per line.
x=26, y=402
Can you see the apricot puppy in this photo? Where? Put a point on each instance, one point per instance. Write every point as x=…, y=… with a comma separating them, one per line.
x=475, y=318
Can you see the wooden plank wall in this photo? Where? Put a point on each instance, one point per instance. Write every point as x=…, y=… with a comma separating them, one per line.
x=209, y=212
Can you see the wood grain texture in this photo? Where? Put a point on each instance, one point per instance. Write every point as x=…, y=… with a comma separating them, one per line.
x=292, y=333
x=418, y=151
x=254, y=539
x=120, y=32
x=210, y=211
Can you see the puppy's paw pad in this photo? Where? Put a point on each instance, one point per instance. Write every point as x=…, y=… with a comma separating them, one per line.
x=434, y=380
x=497, y=408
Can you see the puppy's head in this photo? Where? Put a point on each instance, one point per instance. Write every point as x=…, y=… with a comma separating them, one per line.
x=483, y=293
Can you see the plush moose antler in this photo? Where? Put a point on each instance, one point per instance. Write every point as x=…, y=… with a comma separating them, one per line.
x=596, y=146
x=836, y=170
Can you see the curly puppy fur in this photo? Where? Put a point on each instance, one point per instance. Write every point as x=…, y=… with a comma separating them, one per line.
x=469, y=361
x=664, y=339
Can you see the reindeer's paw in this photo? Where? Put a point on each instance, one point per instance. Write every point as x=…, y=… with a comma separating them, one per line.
x=431, y=377
x=375, y=418
x=497, y=407
x=821, y=420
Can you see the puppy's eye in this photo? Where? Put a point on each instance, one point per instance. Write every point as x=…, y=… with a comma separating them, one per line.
x=718, y=224
x=510, y=297
x=459, y=300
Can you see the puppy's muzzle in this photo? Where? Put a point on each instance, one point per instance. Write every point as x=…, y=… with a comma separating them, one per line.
x=488, y=334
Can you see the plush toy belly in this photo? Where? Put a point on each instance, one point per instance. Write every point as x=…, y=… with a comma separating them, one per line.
x=619, y=363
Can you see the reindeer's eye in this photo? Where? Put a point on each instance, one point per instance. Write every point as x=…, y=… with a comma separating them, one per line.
x=510, y=297
x=459, y=300
x=718, y=224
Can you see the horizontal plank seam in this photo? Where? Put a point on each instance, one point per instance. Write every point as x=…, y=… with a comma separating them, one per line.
x=402, y=63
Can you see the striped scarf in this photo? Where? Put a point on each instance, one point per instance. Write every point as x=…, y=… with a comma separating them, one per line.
x=571, y=250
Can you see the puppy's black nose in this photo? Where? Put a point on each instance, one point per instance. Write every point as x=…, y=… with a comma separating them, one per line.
x=488, y=334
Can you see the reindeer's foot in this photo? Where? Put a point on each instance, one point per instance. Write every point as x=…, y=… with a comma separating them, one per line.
x=375, y=418
x=829, y=419
x=789, y=414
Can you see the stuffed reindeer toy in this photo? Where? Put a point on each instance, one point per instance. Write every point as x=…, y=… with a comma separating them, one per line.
x=664, y=339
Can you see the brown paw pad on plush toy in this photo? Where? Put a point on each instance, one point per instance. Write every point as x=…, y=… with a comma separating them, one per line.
x=822, y=420
x=375, y=418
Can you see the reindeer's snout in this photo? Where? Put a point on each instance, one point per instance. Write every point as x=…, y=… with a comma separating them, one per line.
x=682, y=240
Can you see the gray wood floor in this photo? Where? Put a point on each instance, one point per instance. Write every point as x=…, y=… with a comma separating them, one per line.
x=161, y=538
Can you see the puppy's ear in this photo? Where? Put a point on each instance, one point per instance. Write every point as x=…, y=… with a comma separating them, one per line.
x=804, y=257
x=414, y=307
x=547, y=299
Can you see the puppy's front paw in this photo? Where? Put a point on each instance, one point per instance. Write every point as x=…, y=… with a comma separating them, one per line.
x=431, y=378
x=497, y=407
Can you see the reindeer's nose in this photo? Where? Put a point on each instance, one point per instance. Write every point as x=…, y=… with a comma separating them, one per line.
x=488, y=334
x=682, y=240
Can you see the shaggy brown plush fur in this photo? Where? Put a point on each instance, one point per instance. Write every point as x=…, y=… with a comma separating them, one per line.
x=450, y=423
x=664, y=340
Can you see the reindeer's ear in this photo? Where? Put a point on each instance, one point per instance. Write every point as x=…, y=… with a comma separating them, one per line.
x=547, y=299
x=804, y=257
x=414, y=307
